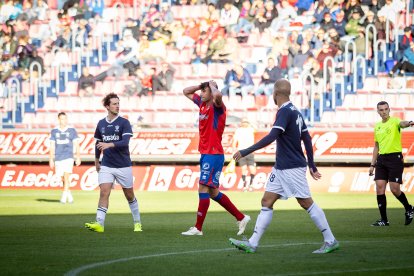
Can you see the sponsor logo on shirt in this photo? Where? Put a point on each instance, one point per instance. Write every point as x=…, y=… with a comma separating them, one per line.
x=113, y=137
x=203, y=117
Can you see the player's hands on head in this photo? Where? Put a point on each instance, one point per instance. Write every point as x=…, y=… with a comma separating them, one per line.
x=315, y=174
x=212, y=83
x=237, y=156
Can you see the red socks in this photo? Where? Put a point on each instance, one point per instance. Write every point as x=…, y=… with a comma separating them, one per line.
x=224, y=201
x=203, y=204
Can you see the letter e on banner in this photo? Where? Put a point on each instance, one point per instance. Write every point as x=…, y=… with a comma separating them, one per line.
x=161, y=179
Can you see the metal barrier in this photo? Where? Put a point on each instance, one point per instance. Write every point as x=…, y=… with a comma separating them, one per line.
x=312, y=91
x=15, y=97
x=384, y=54
x=347, y=68
x=34, y=82
x=355, y=70
x=374, y=38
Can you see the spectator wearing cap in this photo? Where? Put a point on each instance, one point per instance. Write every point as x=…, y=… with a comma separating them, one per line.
x=340, y=23
x=369, y=18
x=353, y=26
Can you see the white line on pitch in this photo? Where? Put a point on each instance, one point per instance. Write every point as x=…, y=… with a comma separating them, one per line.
x=78, y=270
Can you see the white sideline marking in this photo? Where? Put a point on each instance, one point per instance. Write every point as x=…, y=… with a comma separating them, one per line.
x=78, y=270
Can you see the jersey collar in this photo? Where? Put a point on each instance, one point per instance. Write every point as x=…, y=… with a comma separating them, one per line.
x=285, y=104
x=110, y=122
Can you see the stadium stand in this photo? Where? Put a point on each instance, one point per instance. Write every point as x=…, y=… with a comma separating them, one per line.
x=337, y=79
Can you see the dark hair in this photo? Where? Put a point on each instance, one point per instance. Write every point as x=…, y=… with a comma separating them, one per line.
x=61, y=114
x=382, y=103
x=107, y=100
x=204, y=85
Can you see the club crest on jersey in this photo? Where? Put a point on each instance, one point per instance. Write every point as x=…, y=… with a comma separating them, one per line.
x=103, y=130
x=117, y=128
x=206, y=166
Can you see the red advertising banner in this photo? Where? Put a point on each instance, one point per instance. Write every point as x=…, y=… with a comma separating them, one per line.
x=334, y=145
x=185, y=178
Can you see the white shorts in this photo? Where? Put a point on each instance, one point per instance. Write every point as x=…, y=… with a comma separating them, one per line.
x=123, y=176
x=63, y=166
x=289, y=183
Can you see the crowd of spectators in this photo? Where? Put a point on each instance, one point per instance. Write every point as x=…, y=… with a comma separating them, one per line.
x=300, y=35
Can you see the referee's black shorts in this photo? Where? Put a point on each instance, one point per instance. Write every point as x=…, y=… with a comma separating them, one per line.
x=390, y=167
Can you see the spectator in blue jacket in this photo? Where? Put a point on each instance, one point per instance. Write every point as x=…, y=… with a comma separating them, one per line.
x=407, y=65
x=304, y=6
x=238, y=82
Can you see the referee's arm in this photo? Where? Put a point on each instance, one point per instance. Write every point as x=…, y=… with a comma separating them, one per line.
x=404, y=124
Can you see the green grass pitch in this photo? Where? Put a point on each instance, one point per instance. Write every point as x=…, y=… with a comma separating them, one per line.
x=40, y=236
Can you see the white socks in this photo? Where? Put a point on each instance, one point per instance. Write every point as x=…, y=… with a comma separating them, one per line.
x=100, y=215
x=133, y=205
x=66, y=197
x=262, y=222
x=318, y=217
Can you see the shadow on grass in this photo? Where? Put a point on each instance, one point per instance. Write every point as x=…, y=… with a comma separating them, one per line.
x=56, y=244
x=48, y=200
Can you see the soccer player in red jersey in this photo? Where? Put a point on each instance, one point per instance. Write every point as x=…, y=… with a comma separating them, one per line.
x=212, y=119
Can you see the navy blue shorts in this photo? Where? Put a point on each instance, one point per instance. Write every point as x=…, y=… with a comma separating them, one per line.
x=210, y=169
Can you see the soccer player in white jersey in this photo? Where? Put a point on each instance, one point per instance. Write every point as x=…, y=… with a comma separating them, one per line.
x=288, y=176
x=63, y=140
x=112, y=136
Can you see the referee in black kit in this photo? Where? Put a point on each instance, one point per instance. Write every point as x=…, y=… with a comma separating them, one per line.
x=388, y=162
